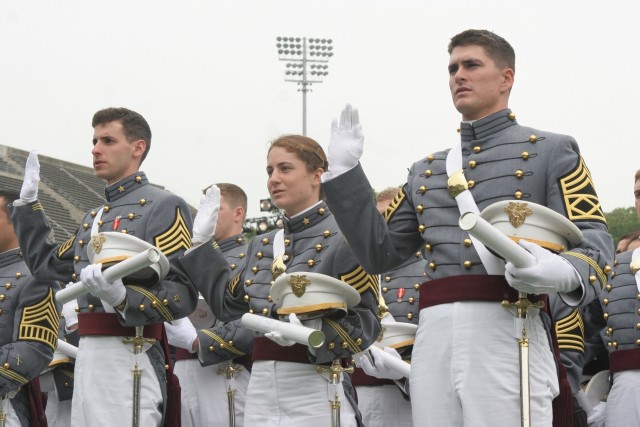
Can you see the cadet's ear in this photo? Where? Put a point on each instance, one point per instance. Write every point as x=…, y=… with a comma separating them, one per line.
x=138, y=148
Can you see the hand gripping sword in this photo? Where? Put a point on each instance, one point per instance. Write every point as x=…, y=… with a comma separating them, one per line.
x=492, y=238
x=229, y=372
x=138, y=343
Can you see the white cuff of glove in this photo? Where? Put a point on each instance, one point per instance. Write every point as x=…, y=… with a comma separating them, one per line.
x=181, y=333
x=70, y=315
x=334, y=173
x=277, y=337
x=377, y=369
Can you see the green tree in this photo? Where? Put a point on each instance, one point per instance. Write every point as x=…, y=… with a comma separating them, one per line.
x=622, y=221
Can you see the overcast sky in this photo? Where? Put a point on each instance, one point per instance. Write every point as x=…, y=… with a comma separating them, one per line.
x=206, y=75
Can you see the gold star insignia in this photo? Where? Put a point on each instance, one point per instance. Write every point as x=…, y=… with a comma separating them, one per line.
x=121, y=188
x=305, y=221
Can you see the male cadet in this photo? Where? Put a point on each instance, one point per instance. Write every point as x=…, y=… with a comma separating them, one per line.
x=111, y=313
x=465, y=367
x=28, y=329
x=621, y=305
x=380, y=400
x=204, y=387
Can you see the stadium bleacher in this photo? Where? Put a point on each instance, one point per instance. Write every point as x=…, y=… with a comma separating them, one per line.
x=67, y=190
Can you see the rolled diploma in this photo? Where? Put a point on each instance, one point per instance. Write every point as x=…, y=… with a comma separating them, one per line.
x=495, y=240
x=67, y=349
x=115, y=272
x=300, y=334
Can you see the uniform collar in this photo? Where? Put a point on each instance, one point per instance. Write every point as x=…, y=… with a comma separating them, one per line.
x=121, y=188
x=308, y=218
x=487, y=126
x=232, y=242
x=10, y=257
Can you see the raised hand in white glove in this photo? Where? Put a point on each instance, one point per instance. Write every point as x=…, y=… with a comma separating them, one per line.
x=204, y=225
x=111, y=293
x=70, y=315
x=181, y=333
x=377, y=369
x=277, y=337
x=551, y=274
x=29, y=190
x=347, y=142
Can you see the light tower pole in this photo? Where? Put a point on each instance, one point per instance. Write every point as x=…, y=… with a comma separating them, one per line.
x=306, y=64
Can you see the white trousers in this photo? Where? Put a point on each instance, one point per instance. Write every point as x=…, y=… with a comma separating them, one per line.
x=623, y=402
x=383, y=406
x=204, y=394
x=11, y=418
x=465, y=368
x=103, y=385
x=58, y=413
x=292, y=395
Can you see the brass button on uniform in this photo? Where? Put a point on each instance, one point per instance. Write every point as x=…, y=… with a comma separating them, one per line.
x=519, y=174
x=466, y=242
x=518, y=194
x=533, y=139
x=511, y=116
x=428, y=173
x=477, y=149
x=419, y=208
x=421, y=228
x=422, y=189
x=467, y=264
x=472, y=164
x=431, y=158
x=524, y=155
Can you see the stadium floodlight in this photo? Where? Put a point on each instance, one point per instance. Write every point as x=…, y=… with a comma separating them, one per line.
x=306, y=64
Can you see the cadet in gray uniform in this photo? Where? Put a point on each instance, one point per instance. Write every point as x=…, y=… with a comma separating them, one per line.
x=285, y=387
x=110, y=312
x=381, y=401
x=28, y=329
x=621, y=305
x=465, y=363
x=224, y=375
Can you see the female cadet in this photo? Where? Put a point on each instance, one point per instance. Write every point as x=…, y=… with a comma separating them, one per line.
x=286, y=386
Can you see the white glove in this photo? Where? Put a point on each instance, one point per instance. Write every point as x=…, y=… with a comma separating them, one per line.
x=347, y=142
x=181, y=333
x=551, y=274
x=277, y=336
x=596, y=419
x=204, y=225
x=377, y=369
x=29, y=190
x=111, y=293
x=70, y=314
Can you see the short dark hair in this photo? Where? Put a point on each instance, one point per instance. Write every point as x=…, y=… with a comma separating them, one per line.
x=134, y=126
x=9, y=196
x=496, y=47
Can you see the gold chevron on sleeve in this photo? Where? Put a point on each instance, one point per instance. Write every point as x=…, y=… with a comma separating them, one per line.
x=40, y=322
x=570, y=332
x=37, y=207
x=176, y=237
x=233, y=283
x=580, y=198
x=346, y=338
x=394, y=205
x=228, y=346
x=65, y=246
x=361, y=281
x=13, y=375
x=155, y=302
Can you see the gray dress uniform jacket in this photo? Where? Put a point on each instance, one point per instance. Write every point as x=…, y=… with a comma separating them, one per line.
x=401, y=289
x=135, y=207
x=502, y=161
x=234, y=250
x=313, y=243
x=28, y=329
x=621, y=305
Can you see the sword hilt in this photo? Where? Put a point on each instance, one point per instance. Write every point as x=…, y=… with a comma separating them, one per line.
x=229, y=371
x=334, y=371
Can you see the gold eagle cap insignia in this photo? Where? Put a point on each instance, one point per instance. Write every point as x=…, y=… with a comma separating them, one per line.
x=97, y=242
x=518, y=213
x=298, y=284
